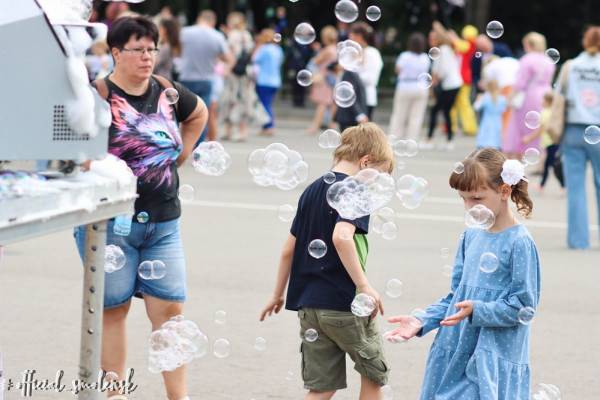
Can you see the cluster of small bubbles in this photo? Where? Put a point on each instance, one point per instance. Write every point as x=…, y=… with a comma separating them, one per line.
x=346, y=11
x=260, y=344
x=277, y=165
x=177, y=342
x=402, y=147
x=186, y=193
x=114, y=258
x=488, y=262
x=393, y=337
x=531, y=156
x=220, y=317
x=591, y=135
x=447, y=270
x=444, y=252
x=330, y=139
x=546, y=391
x=393, y=288
x=380, y=218
x=373, y=13
x=152, y=270
x=286, y=212
x=533, y=119
x=494, y=29
x=411, y=190
x=304, y=77
x=553, y=55
x=479, y=216
x=350, y=55
x=434, y=53
x=458, y=167
x=363, y=305
x=210, y=158
x=525, y=315
x=221, y=348
x=172, y=95
x=317, y=248
x=424, y=80
x=343, y=94
x=361, y=194
x=311, y=335
x=304, y=33
x=143, y=217
x=329, y=177
x=387, y=393
x=277, y=37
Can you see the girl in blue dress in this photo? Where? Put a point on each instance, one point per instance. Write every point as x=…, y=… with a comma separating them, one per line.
x=492, y=105
x=481, y=350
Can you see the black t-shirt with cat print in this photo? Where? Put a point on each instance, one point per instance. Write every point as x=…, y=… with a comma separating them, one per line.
x=144, y=133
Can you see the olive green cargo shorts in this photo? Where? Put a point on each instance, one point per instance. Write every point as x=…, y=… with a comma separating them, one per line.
x=339, y=333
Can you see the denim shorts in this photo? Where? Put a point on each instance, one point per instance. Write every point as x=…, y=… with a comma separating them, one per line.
x=146, y=242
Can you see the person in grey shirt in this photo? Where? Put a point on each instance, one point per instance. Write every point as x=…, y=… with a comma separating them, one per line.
x=202, y=45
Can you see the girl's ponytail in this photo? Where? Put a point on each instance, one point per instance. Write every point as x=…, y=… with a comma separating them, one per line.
x=520, y=196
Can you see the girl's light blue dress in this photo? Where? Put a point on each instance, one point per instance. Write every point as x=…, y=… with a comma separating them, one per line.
x=485, y=356
x=490, y=127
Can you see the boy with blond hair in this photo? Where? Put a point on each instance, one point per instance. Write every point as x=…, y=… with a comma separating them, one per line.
x=321, y=290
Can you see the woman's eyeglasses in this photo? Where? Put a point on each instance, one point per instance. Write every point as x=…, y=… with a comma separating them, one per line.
x=139, y=51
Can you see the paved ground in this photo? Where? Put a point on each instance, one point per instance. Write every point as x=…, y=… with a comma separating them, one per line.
x=232, y=238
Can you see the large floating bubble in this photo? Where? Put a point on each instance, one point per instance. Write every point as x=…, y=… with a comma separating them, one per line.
x=434, y=53
x=389, y=231
x=403, y=148
x=317, y=248
x=361, y=194
x=393, y=288
x=525, y=315
x=304, y=77
x=411, y=190
x=533, y=119
x=330, y=139
x=488, y=262
x=591, y=135
x=424, y=80
x=373, y=13
x=304, y=33
x=114, y=258
x=479, y=216
x=346, y=11
x=343, y=94
x=494, y=29
x=210, y=158
x=311, y=335
x=186, y=193
x=277, y=165
x=329, y=177
x=363, y=305
x=380, y=217
x=152, y=270
x=172, y=95
x=350, y=55
x=553, y=55
x=221, y=348
x=531, y=156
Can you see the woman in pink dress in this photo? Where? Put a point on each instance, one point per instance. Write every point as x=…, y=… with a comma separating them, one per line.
x=533, y=80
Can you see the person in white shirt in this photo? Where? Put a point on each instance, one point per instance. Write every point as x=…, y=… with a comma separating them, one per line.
x=410, y=98
x=370, y=71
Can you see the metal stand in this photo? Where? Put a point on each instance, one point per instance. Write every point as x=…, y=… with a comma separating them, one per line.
x=92, y=307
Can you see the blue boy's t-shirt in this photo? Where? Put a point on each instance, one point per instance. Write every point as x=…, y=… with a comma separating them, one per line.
x=319, y=283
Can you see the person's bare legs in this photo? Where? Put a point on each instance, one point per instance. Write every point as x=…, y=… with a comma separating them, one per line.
x=312, y=395
x=160, y=311
x=369, y=390
x=243, y=134
x=212, y=121
x=317, y=120
x=227, y=135
x=114, y=341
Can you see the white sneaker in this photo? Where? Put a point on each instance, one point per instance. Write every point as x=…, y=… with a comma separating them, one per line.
x=449, y=146
x=427, y=145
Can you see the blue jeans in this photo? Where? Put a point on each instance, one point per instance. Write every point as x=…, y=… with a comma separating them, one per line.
x=202, y=89
x=146, y=242
x=266, y=94
x=575, y=155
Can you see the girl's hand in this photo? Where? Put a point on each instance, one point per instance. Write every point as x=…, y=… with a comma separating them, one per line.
x=274, y=305
x=409, y=327
x=465, y=309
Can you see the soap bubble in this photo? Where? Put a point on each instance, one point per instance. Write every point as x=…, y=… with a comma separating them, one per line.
x=260, y=344
x=546, y=391
x=479, y=216
x=304, y=77
x=361, y=194
x=220, y=317
x=186, y=193
x=444, y=252
x=389, y=231
x=434, y=53
x=152, y=270
x=277, y=37
x=553, y=55
x=330, y=139
x=286, y=212
x=494, y=29
x=380, y=218
x=304, y=33
x=143, y=217
x=459, y=168
x=210, y=158
x=277, y=165
x=591, y=135
x=402, y=147
x=311, y=335
x=533, y=119
x=221, y=348
x=172, y=95
x=424, y=80
x=393, y=288
x=411, y=190
x=525, y=315
x=329, y=177
x=373, y=13
x=363, y=305
x=317, y=248
x=488, y=262
x=478, y=54
x=350, y=55
x=114, y=258
x=531, y=156
x=344, y=95
x=346, y=11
